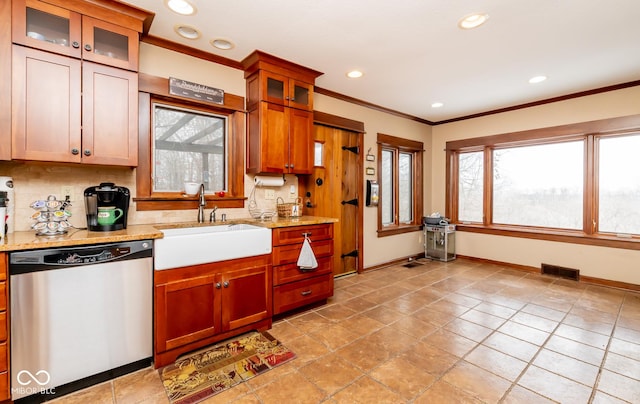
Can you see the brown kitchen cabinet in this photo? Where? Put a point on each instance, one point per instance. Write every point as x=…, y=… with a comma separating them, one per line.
x=279, y=89
x=5, y=392
x=295, y=287
x=59, y=30
x=198, y=305
x=280, y=123
x=280, y=140
x=67, y=110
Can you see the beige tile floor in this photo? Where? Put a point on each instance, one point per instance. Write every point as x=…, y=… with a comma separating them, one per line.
x=457, y=332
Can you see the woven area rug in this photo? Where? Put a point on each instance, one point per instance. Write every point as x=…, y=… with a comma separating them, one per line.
x=210, y=371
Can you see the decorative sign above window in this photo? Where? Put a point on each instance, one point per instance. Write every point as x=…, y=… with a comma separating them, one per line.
x=195, y=91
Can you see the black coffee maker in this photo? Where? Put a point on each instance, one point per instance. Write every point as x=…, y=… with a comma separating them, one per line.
x=107, y=194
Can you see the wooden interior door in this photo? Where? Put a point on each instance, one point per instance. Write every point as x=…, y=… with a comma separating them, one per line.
x=334, y=190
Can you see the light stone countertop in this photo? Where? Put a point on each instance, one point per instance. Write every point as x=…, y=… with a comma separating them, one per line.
x=27, y=240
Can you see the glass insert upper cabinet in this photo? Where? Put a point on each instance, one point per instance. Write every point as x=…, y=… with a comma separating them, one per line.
x=58, y=30
x=286, y=91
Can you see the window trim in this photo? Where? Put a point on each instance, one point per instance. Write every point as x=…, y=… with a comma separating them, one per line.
x=417, y=150
x=587, y=131
x=153, y=89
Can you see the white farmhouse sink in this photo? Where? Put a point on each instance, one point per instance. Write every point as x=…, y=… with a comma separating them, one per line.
x=203, y=244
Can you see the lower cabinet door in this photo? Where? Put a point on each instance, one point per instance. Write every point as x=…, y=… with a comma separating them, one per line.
x=246, y=296
x=297, y=294
x=186, y=311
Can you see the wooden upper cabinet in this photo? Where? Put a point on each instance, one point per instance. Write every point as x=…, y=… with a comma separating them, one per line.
x=281, y=90
x=59, y=30
x=300, y=141
x=47, y=27
x=109, y=129
x=74, y=85
x=280, y=123
x=109, y=44
x=49, y=123
x=46, y=95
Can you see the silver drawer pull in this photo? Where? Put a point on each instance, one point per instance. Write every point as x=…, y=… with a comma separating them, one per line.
x=305, y=293
x=308, y=269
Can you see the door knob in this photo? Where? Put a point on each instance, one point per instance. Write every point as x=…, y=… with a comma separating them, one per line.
x=225, y=284
x=87, y=47
x=87, y=152
x=75, y=44
x=218, y=285
x=75, y=151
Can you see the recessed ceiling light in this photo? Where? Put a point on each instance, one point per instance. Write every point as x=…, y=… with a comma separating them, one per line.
x=473, y=20
x=437, y=105
x=222, y=44
x=537, y=79
x=187, y=31
x=354, y=74
x=182, y=7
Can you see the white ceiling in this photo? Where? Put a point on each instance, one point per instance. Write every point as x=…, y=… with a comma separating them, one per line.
x=413, y=54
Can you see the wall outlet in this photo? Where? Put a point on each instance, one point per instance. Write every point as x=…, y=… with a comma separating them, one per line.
x=269, y=194
x=292, y=190
x=66, y=190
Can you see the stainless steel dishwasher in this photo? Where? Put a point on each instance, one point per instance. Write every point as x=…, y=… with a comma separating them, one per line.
x=79, y=316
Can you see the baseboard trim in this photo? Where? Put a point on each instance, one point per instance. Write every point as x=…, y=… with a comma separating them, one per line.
x=396, y=261
x=526, y=268
x=583, y=279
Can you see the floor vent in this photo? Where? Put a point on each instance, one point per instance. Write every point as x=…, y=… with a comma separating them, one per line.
x=555, y=270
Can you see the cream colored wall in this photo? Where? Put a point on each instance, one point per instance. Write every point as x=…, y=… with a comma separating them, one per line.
x=606, y=263
x=381, y=250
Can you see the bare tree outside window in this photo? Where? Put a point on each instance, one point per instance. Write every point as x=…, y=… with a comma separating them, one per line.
x=470, y=186
x=539, y=185
x=188, y=146
x=619, y=184
x=405, y=187
x=386, y=179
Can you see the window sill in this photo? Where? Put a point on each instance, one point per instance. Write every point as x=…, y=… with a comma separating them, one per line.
x=186, y=203
x=392, y=231
x=574, y=237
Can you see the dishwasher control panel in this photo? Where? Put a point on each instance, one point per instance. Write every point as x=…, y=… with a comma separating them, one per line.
x=75, y=258
x=34, y=260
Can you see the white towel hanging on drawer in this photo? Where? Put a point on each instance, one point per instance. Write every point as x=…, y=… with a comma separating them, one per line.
x=307, y=260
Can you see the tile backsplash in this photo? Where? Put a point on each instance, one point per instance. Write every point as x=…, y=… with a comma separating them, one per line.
x=36, y=181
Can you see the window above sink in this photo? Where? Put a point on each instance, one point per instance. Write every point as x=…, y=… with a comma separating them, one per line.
x=184, y=140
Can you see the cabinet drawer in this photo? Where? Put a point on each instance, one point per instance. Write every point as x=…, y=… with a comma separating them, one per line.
x=291, y=272
x=293, y=235
x=3, y=326
x=4, y=359
x=301, y=293
x=3, y=295
x=4, y=386
x=289, y=254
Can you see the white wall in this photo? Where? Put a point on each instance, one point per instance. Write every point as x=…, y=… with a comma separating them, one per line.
x=606, y=263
